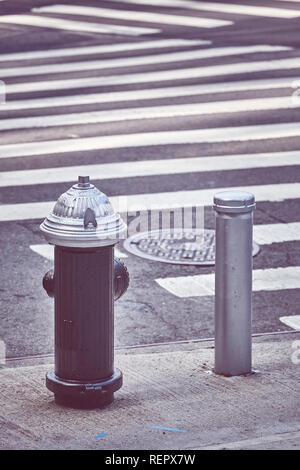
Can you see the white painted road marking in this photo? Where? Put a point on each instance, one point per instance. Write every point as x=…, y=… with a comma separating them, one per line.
x=204, y=197
x=47, y=251
x=136, y=16
x=293, y=321
x=235, y=9
x=151, y=112
x=163, y=75
x=150, y=93
x=133, y=169
x=149, y=139
x=136, y=60
x=204, y=284
x=156, y=201
x=276, y=233
x=103, y=49
x=68, y=25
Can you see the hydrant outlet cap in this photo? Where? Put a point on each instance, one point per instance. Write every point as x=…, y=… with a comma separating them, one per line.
x=83, y=217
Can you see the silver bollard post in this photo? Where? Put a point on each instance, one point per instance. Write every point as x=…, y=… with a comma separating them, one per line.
x=233, y=282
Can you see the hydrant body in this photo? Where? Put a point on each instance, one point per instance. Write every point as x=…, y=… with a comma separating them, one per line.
x=84, y=229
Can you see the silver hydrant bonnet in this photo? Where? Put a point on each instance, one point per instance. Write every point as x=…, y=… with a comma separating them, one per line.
x=83, y=217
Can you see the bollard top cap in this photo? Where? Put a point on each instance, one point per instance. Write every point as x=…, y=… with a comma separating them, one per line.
x=234, y=202
x=83, y=217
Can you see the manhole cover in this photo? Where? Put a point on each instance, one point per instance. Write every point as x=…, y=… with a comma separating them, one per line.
x=176, y=246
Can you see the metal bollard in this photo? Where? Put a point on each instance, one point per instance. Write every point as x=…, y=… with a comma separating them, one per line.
x=233, y=282
x=84, y=229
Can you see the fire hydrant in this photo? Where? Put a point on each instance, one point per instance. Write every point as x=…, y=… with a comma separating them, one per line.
x=85, y=281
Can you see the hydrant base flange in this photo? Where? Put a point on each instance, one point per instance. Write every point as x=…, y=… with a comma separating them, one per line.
x=84, y=395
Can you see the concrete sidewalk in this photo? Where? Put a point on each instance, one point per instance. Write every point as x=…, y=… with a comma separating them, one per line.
x=170, y=386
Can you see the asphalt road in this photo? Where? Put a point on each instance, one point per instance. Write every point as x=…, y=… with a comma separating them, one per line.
x=205, y=68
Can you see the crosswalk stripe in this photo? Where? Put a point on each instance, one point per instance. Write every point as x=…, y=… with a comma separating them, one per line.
x=68, y=25
x=47, y=251
x=236, y=9
x=137, y=60
x=203, y=284
x=293, y=321
x=130, y=169
x=103, y=49
x=136, y=16
x=276, y=233
x=149, y=139
x=158, y=76
x=151, y=112
x=203, y=197
x=157, y=201
x=150, y=93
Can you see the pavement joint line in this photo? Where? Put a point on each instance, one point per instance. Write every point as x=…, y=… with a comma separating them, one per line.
x=153, y=345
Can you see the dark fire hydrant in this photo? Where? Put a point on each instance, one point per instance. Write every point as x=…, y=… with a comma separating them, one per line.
x=84, y=283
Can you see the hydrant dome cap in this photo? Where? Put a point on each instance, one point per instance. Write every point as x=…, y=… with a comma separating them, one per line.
x=83, y=217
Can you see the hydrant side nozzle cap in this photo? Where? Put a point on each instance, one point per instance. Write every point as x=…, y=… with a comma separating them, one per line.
x=234, y=202
x=70, y=222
